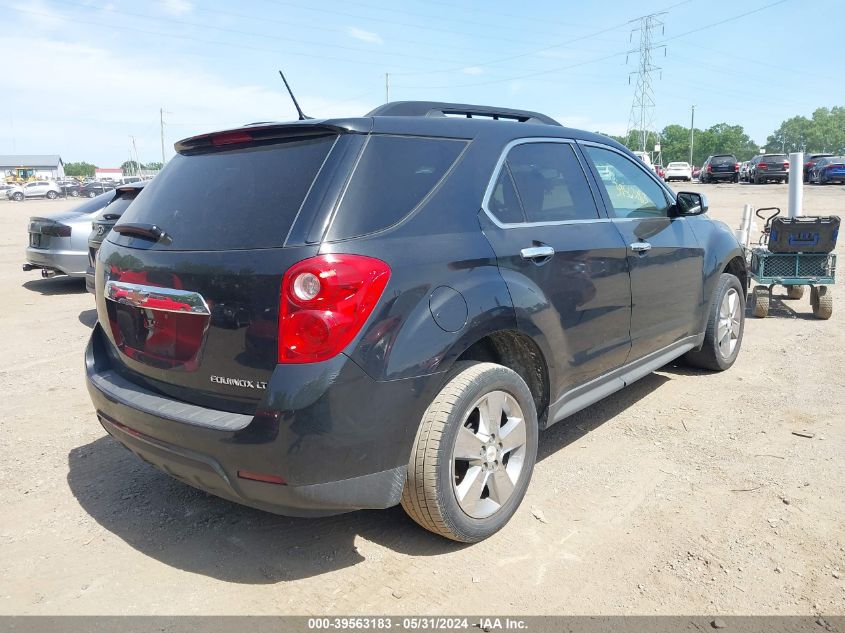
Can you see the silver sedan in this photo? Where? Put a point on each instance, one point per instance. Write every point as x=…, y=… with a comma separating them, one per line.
x=58, y=243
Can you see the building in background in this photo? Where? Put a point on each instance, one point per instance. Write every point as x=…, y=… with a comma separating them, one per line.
x=26, y=167
x=108, y=173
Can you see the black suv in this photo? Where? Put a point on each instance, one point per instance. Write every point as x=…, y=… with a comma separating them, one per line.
x=720, y=167
x=327, y=315
x=766, y=167
x=105, y=220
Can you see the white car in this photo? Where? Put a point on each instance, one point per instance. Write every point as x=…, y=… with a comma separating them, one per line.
x=678, y=171
x=36, y=189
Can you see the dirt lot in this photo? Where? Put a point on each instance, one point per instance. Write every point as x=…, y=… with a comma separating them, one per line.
x=686, y=493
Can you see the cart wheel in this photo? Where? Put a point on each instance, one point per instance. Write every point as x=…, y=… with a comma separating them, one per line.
x=822, y=301
x=794, y=292
x=760, y=301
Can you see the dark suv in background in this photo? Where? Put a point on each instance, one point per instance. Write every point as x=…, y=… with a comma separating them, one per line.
x=766, y=167
x=327, y=315
x=105, y=220
x=720, y=167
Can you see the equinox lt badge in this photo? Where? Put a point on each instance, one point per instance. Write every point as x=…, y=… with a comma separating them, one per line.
x=239, y=382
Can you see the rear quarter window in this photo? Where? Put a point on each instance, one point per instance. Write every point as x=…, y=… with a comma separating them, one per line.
x=393, y=176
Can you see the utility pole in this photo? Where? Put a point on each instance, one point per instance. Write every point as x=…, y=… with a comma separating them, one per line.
x=691, y=133
x=161, y=120
x=387, y=87
x=137, y=161
x=643, y=106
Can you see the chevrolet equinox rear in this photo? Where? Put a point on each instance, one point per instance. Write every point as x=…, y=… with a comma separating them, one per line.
x=323, y=316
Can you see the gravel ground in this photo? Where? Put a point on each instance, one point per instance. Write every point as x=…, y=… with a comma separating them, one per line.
x=687, y=492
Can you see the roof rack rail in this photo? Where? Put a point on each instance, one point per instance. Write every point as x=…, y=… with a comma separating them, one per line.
x=438, y=109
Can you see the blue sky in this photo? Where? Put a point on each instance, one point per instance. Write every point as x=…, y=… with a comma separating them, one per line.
x=82, y=76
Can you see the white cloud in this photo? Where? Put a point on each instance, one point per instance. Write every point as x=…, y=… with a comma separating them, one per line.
x=473, y=70
x=122, y=95
x=39, y=15
x=177, y=7
x=364, y=36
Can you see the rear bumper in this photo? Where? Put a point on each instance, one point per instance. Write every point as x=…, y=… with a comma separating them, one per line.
x=723, y=175
x=343, y=444
x=72, y=263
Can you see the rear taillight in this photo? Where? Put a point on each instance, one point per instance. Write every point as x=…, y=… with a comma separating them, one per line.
x=762, y=166
x=786, y=164
x=324, y=302
x=56, y=230
x=736, y=166
x=709, y=167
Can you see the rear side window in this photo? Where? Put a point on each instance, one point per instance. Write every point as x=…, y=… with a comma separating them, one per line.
x=551, y=183
x=394, y=174
x=241, y=198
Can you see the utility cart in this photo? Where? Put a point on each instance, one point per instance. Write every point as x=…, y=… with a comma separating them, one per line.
x=794, y=252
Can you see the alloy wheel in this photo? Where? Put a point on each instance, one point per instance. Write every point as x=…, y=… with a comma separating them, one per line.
x=730, y=325
x=489, y=454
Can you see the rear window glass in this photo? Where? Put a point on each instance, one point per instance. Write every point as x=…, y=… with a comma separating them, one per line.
x=724, y=159
x=235, y=199
x=394, y=175
x=775, y=157
x=116, y=208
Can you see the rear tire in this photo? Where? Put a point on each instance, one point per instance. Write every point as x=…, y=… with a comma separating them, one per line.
x=822, y=302
x=444, y=465
x=760, y=302
x=18, y=197
x=725, y=327
x=52, y=195
x=92, y=194
x=794, y=292
x=74, y=194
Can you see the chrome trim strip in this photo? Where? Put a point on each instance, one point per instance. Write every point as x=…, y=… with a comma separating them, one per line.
x=139, y=295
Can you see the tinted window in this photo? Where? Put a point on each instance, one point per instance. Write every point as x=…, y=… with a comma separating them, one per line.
x=118, y=205
x=504, y=203
x=718, y=160
x=633, y=193
x=245, y=197
x=550, y=183
x=771, y=157
x=393, y=176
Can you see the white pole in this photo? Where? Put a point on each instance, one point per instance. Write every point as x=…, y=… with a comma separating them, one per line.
x=796, y=184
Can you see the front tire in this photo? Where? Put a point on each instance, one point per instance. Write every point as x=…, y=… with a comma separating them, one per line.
x=474, y=453
x=18, y=197
x=52, y=195
x=92, y=194
x=725, y=326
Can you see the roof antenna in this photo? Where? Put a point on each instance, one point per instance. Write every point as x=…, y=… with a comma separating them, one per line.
x=302, y=116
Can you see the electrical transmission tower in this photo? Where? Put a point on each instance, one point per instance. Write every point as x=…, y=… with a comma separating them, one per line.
x=641, y=118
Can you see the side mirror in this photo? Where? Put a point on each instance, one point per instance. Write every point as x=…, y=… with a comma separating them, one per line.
x=690, y=203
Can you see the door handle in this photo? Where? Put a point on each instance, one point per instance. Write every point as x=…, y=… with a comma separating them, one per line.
x=641, y=247
x=537, y=252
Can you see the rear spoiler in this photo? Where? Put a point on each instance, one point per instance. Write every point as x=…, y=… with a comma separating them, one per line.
x=267, y=133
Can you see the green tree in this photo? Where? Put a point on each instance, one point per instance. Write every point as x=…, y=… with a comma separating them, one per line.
x=823, y=132
x=130, y=168
x=80, y=169
x=153, y=165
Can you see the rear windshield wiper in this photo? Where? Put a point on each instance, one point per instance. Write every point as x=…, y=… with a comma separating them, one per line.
x=146, y=231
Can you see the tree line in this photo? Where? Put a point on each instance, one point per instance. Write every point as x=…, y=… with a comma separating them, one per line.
x=824, y=131
x=82, y=169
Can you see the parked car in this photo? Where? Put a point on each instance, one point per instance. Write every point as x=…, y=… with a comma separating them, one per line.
x=678, y=171
x=809, y=162
x=827, y=170
x=70, y=190
x=696, y=173
x=381, y=363
x=660, y=171
x=720, y=167
x=95, y=188
x=766, y=167
x=743, y=170
x=34, y=189
x=58, y=243
x=103, y=223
